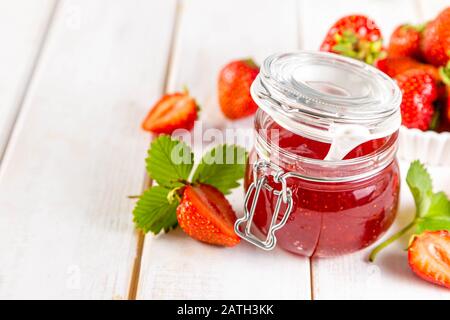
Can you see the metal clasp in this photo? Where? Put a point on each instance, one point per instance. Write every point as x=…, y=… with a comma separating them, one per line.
x=285, y=196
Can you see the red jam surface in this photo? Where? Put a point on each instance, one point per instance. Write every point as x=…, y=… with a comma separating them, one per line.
x=330, y=219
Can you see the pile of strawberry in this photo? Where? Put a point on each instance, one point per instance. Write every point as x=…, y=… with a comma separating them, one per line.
x=417, y=57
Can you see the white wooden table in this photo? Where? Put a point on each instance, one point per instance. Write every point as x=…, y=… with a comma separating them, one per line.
x=78, y=76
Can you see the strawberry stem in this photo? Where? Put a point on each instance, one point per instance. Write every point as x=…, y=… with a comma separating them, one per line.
x=394, y=237
x=419, y=27
x=251, y=63
x=175, y=194
x=435, y=120
x=444, y=72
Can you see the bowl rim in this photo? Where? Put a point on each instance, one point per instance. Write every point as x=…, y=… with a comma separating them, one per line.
x=439, y=135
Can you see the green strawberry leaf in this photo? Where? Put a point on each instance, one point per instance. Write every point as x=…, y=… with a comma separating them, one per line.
x=169, y=162
x=420, y=184
x=222, y=167
x=154, y=213
x=439, y=207
x=432, y=224
x=438, y=215
x=432, y=209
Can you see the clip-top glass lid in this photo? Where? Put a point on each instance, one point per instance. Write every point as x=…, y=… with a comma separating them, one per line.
x=317, y=94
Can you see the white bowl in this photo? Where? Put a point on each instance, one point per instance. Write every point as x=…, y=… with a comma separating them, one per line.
x=429, y=147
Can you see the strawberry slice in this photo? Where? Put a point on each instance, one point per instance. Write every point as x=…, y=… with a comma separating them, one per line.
x=173, y=111
x=429, y=257
x=206, y=215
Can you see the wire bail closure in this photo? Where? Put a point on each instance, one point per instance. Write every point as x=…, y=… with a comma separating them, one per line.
x=284, y=195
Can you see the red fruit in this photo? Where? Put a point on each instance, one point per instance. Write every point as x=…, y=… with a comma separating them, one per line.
x=355, y=36
x=447, y=106
x=419, y=92
x=173, y=111
x=405, y=41
x=394, y=66
x=206, y=215
x=429, y=257
x=234, y=84
x=436, y=39
x=445, y=76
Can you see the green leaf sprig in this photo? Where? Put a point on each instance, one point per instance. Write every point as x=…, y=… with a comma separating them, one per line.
x=170, y=163
x=432, y=209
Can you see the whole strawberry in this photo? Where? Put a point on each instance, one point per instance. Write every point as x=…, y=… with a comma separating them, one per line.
x=394, y=66
x=419, y=92
x=436, y=39
x=355, y=36
x=234, y=84
x=405, y=41
x=445, y=76
x=206, y=215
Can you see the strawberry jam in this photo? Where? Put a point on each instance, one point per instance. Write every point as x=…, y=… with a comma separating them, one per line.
x=322, y=178
x=330, y=218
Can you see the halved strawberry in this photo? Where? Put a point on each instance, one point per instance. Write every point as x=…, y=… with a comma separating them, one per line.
x=429, y=256
x=173, y=111
x=206, y=215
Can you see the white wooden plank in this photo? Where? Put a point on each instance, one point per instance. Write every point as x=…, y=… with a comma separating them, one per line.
x=352, y=277
x=430, y=8
x=316, y=17
x=211, y=33
x=77, y=152
x=23, y=26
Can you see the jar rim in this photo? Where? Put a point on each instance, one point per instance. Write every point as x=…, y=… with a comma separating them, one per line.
x=330, y=170
x=309, y=92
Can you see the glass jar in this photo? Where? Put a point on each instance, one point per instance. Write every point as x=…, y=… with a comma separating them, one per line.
x=322, y=179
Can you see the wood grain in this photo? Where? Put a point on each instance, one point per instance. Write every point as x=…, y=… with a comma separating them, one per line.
x=23, y=26
x=210, y=34
x=77, y=151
